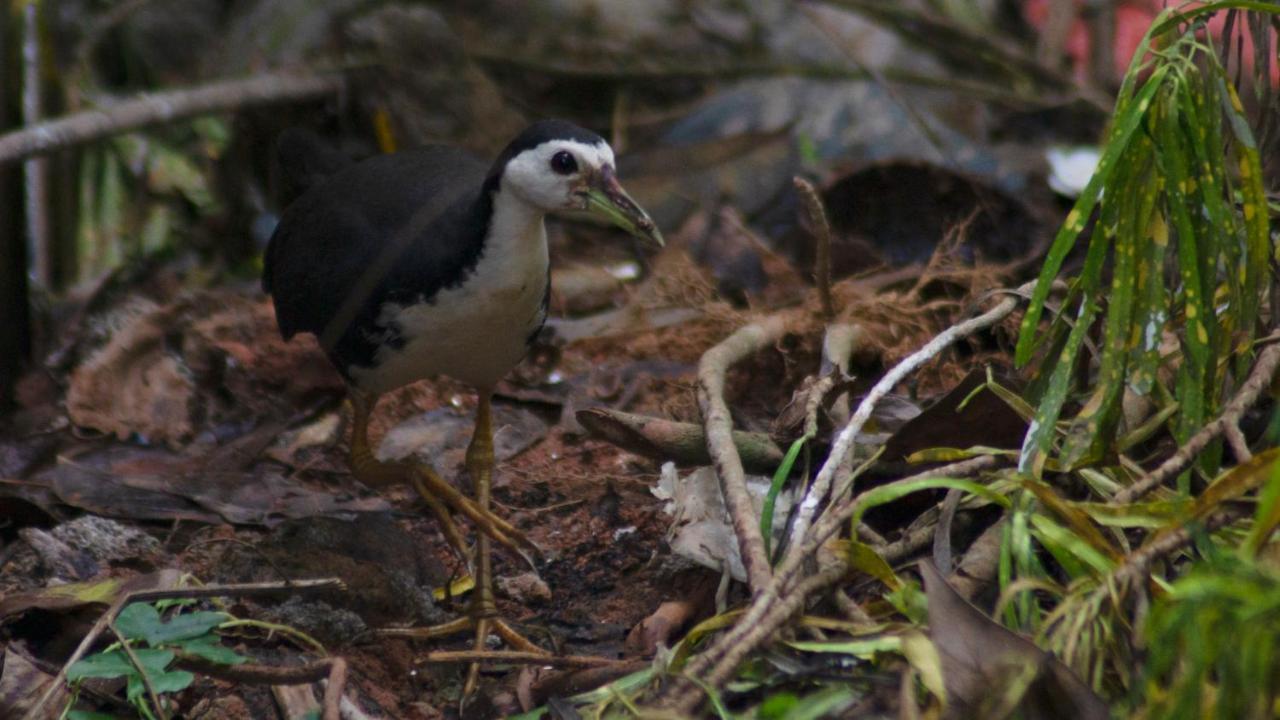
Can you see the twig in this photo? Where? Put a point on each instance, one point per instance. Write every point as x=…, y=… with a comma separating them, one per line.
x=333, y=688
x=108, y=617
x=163, y=107
x=333, y=670
x=1138, y=563
x=817, y=219
x=142, y=671
x=684, y=443
x=685, y=695
x=770, y=610
x=255, y=674
x=1263, y=372
x=844, y=442
x=1239, y=445
x=515, y=657
x=838, y=344
x=724, y=454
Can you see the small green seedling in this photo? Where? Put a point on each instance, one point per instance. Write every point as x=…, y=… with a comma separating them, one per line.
x=141, y=624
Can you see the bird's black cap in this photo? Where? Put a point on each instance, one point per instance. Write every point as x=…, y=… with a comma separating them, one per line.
x=539, y=132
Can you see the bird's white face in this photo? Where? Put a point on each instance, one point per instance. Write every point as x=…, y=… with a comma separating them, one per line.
x=573, y=175
x=553, y=175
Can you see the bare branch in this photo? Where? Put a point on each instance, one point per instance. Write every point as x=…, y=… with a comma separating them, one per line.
x=1263, y=372
x=844, y=442
x=817, y=219
x=714, y=365
x=683, y=443
x=164, y=107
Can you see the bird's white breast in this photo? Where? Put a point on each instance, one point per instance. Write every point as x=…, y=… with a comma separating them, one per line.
x=477, y=331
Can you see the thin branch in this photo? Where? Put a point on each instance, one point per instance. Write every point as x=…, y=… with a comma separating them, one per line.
x=333, y=688
x=712, y=368
x=844, y=442
x=1264, y=371
x=516, y=657
x=767, y=612
x=684, y=695
x=763, y=615
x=683, y=443
x=164, y=107
x=821, y=228
x=254, y=674
x=142, y=671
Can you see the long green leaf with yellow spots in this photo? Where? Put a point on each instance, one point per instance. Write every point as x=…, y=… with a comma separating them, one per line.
x=1254, y=205
x=1179, y=187
x=1093, y=427
x=1126, y=123
x=1039, y=438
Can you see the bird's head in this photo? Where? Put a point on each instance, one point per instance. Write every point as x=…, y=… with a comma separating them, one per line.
x=555, y=165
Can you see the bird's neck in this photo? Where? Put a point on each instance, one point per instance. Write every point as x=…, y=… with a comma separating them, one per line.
x=516, y=234
x=514, y=219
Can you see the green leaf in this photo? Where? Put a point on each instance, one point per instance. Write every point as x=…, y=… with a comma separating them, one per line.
x=777, y=706
x=865, y=648
x=779, y=479
x=141, y=621
x=1065, y=545
x=824, y=703
x=116, y=664
x=162, y=682
x=208, y=647
x=1124, y=125
x=863, y=558
x=895, y=490
x=1039, y=438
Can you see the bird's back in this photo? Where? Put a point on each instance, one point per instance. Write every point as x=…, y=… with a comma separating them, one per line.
x=393, y=228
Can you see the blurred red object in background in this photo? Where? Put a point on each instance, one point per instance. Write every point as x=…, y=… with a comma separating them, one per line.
x=1133, y=17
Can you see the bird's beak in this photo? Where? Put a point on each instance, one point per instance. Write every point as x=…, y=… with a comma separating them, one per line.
x=606, y=198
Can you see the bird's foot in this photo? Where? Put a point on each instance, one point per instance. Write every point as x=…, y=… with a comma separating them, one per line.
x=520, y=649
x=445, y=501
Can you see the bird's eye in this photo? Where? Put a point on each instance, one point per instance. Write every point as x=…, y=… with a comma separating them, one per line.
x=563, y=163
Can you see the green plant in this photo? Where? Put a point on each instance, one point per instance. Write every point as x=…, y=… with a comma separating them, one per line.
x=1183, y=216
x=148, y=670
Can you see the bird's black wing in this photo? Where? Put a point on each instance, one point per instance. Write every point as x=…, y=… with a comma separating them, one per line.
x=306, y=160
x=393, y=228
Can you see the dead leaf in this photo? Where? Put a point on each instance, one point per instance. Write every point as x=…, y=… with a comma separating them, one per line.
x=150, y=485
x=983, y=663
x=701, y=530
x=21, y=686
x=102, y=591
x=169, y=371
x=984, y=420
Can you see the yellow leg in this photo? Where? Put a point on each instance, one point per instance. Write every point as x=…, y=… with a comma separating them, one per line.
x=482, y=617
x=441, y=498
x=484, y=611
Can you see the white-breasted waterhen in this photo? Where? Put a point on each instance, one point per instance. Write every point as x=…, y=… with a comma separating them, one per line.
x=423, y=263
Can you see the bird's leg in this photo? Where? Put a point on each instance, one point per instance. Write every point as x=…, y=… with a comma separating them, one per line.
x=484, y=612
x=375, y=473
x=442, y=498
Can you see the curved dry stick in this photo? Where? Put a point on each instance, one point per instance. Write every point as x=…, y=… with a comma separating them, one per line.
x=808, y=507
x=817, y=217
x=1259, y=379
x=712, y=368
x=163, y=107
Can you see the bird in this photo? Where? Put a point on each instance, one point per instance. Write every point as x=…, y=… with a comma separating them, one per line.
x=429, y=262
